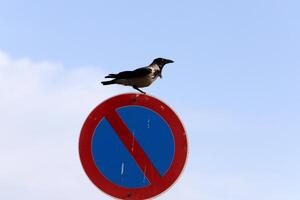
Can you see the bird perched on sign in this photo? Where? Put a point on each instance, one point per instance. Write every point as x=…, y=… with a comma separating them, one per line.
x=141, y=77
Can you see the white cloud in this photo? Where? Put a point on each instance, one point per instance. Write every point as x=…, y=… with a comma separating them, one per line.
x=42, y=106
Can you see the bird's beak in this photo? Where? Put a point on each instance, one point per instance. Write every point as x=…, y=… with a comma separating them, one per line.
x=168, y=61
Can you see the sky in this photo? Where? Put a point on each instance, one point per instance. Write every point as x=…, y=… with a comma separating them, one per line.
x=234, y=84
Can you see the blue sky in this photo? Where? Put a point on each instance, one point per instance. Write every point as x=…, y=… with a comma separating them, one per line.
x=235, y=84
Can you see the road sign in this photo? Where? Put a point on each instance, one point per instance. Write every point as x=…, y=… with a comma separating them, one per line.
x=133, y=146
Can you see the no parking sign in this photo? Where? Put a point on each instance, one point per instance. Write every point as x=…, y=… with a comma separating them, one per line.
x=133, y=146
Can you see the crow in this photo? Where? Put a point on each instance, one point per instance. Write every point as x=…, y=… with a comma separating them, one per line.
x=141, y=77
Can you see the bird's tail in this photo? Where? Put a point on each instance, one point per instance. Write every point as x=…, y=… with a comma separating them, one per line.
x=108, y=82
x=111, y=76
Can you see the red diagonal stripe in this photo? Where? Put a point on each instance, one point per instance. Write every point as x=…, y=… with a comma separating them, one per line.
x=137, y=152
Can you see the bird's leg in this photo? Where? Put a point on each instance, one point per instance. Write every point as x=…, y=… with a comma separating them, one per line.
x=139, y=89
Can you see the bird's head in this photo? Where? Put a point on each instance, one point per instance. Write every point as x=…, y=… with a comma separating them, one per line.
x=161, y=62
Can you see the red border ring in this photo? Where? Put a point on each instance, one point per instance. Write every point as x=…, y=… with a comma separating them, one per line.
x=131, y=99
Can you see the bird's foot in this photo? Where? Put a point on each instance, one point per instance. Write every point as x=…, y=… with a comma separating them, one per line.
x=138, y=89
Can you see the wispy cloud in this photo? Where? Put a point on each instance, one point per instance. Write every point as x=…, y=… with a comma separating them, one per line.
x=43, y=105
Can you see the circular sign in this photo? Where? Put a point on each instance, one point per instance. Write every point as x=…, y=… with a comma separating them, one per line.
x=133, y=146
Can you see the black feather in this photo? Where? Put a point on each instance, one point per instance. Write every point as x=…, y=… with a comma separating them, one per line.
x=108, y=82
x=111, y=76
x=133, y=74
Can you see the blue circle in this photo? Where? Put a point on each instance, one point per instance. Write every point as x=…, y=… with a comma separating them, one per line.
x=113, y=159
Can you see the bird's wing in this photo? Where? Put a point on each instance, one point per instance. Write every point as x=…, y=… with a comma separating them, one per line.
x=134, y=74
